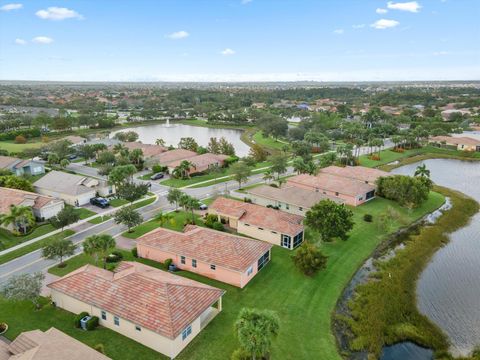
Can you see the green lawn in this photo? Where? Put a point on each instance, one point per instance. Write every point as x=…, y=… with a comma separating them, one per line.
x=11, y=147
x=304, y=304
x=99, y=219
x=268, y=142
x=177, y=223
x=84, y=213
x=118, y=202
x=32, y=247
x=7, y=239
x=144, y=202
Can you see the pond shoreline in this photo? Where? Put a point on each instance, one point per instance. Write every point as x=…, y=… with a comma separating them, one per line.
x=372, y=291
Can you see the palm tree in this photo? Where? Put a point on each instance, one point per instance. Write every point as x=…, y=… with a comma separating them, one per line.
x=162, y=218
x=183, y=170
x=64, y=163
x=160, y=142
x=192, y=204
x=99, y=246
x=21, y=217
x=118, y=148
x=268, y=176
x=422, y=171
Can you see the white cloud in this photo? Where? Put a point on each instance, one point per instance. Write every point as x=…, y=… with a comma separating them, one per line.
x=42, y=40
x=20, y=41
x=10, y=7
x=381, y=11
x=440, y=53
x=411, y=6
x=358, y=26
x=58, y=13
x=182, y=34
x=227, y=52
x=245, y=2
x=338, y=31
x=384, y=24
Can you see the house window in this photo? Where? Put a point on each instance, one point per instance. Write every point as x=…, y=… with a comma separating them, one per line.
x=213, y=267
x=300, y=208
x=250, y=270
x=263, y=260
x=187, y=331
x=287, y=206
x=138, y=328
x=298, y=239
x=247, y=225
x=274, y=232
x=260, y=228
x=182, y=259
x=286, y=241
x=116, y=320
x=194, y=263
x=336, y=194
x=104, y=315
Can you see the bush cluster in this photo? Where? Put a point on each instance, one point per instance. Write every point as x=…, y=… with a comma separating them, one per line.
x=80, y=317
x=92, y=323
x=27, y=133
x=211, y=221
x=114, y=257
x=368, y=217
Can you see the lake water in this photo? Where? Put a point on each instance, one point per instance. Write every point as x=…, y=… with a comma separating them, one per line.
x=448, y=290
x=406, y=351
x=172, y=134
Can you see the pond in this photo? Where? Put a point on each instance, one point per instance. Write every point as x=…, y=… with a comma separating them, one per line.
x=448, y=290
x=172, y=133
x=406, y=351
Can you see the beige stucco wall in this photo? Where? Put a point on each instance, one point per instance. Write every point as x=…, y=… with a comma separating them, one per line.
x=256, y=233
x=69, y=199
x=157, y=342
x=49, y=211
x=235, y=278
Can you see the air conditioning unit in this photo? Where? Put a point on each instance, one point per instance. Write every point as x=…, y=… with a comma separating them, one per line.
x=84, y=321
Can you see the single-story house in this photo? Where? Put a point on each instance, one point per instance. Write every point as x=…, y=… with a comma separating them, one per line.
x=43, y=207
x=462, y=143
x=447, y=114
x=75, y=140
x=148, y=150
x=21, y=167
x=353, y=192
x=170, y=156
x=153, y=307
x=201, y=163
x=229, y=258
x=274, y=226
x=360, y=173
x=52, y=344
x=74, y=189
x=291, y=199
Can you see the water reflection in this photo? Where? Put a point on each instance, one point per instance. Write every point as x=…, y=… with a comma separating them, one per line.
x=448, y=290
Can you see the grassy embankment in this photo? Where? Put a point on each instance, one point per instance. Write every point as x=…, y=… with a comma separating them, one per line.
x=7, y=239
x=304, y=304
x=385, y=310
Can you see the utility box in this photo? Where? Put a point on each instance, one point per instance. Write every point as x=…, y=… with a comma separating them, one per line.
x=84, y=321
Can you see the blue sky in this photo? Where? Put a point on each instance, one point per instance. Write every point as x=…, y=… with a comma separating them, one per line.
x=235, y=40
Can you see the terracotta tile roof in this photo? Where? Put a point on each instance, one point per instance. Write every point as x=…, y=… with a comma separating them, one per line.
x=9, y=197
x=8, y=161
x=74, y=139
x=147, y=149
x=331, y=183
x=62, y=182
x=202, y=160
x=155, y=299
x=49, y=345
x=259, y=216
x=292, y=195
x=360, y=173
x=173, y=155
x=464, y=140
x=212, y=247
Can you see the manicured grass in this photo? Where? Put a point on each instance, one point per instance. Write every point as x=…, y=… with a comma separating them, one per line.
x=21, y=316
x=268, y=142
x=10, y=146
x=304, y=304
x=177, y=223
x=118, y=202
x=99, y=219
x=7, y=239
x=144, y=202
x=84, y=213
x=32, y=247
x=385, y=310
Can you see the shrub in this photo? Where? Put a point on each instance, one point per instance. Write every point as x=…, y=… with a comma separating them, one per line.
x=240, y=354
x=20, y=139
x=114, y=257
x=92, y=323
x=230, y=160
x=159, y=168
x=135, y=252
x=80, y=317
x=218, y=226
x=167, y=263
x=100, y=348
x=368, y=217
x=309, y=259
x=274, y=185
x=247, y=200
x=374, y=157
x=210, y=219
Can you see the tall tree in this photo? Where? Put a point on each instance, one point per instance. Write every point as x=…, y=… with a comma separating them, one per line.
x=279, y=164
x=240, y=172
x=188, y=143
x=174, y=196
x=422, y=171
x=59, y=249
x=99, y=246
x=330, y=220
x=65, y=217
x=129, y=217
x=255, y=330
x=121, y=174
x=21, y=217
x=25, y=287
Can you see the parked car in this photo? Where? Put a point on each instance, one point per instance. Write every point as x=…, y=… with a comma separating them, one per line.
x=157, y=176
x=100, y=202
x=72, y=157
x=203, y=206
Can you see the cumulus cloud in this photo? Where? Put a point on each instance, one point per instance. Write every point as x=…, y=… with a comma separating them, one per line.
x=381, y=11
x=182, y=34
x=358, y=26
x=411, y=6
x=42, y=40
x=338, y=31
x=10, y=7
x=227, y=52
x=58, y=13
x=384, y=24
x=20, y=41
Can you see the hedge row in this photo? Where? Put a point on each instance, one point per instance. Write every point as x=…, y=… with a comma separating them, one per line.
x=28, y=133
